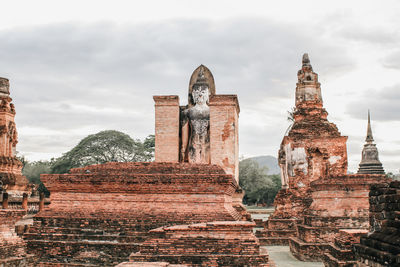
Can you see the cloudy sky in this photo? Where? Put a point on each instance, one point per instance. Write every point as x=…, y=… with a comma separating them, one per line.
x=79, y=67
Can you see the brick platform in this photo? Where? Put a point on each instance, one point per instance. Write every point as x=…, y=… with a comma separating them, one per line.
x=101, y=213
x=12, y=247
x=205, y=244
x=339, y=202
x=382, y=245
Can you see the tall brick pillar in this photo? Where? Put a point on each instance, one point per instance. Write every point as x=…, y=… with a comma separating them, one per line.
x=224, y=133
x=166, y=128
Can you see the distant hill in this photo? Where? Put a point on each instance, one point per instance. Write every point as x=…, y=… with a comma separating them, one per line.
x=269, y=161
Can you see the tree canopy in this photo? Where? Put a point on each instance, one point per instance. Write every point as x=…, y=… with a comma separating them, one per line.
x=259, y=187
x=105, y=146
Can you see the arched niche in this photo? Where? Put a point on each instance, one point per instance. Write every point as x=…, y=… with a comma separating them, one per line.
x=209, y=77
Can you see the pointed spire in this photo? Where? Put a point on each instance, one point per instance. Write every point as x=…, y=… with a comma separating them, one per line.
x=370, y=163
x=306, y=60
x=369, y=138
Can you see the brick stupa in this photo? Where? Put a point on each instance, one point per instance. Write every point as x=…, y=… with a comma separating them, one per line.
x=13, y=185
x=101, y=214
x=370, y=162
x=332, y=205
x=312, y=148
x=11, y=178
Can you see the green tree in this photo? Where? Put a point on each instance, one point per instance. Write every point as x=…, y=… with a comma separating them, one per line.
x=33, y=170
x=259, y=187
x=105, y=146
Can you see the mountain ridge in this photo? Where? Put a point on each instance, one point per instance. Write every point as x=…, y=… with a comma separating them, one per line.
x=268, y=161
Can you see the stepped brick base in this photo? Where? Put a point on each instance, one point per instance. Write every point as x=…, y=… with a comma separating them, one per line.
x=277, y=232
x=339, y=202
x=206, y=244
x=100, y=214
x=307, y=251
x=12, y=247
x=382, y=246
x=150, y=264
x=340, y=252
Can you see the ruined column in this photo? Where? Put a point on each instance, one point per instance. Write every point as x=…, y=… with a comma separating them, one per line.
x=41, y=201
x=25, y=201
x=4, y=203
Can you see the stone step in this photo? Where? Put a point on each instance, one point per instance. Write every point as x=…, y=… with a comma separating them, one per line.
x=341, y=254
x=73, y=237
x=373, y=254
x=274, y=241
x=330, y=261
x=276, y=233
x=27, y=260
x=223, y=260
x=381, y=242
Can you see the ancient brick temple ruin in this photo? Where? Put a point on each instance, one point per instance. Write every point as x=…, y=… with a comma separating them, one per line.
x=13, y=185
x=312, y=148
x=338, y=203
x=319, y=203
x=160, y=211
x=339, y=210
x=203, y=131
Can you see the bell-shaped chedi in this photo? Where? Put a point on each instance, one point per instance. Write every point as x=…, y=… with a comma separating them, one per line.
x=11, y=177
x=370, y=163
x=203, y=131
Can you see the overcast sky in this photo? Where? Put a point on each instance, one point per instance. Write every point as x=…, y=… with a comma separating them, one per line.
x=79, y=67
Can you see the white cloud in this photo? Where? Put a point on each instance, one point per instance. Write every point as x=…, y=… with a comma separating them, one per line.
x=79, y=67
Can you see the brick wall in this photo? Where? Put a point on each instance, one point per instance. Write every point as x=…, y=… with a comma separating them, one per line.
x=382, y=245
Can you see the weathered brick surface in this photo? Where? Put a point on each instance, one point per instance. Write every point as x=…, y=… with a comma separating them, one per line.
x=277, y=231
x=167, y=128
x=223, y=127
x=340, y=253
x=12, y=247
x=382, y=245
x=206, y=244
x=100, y=214
x=338, y=202
x=224, y=133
